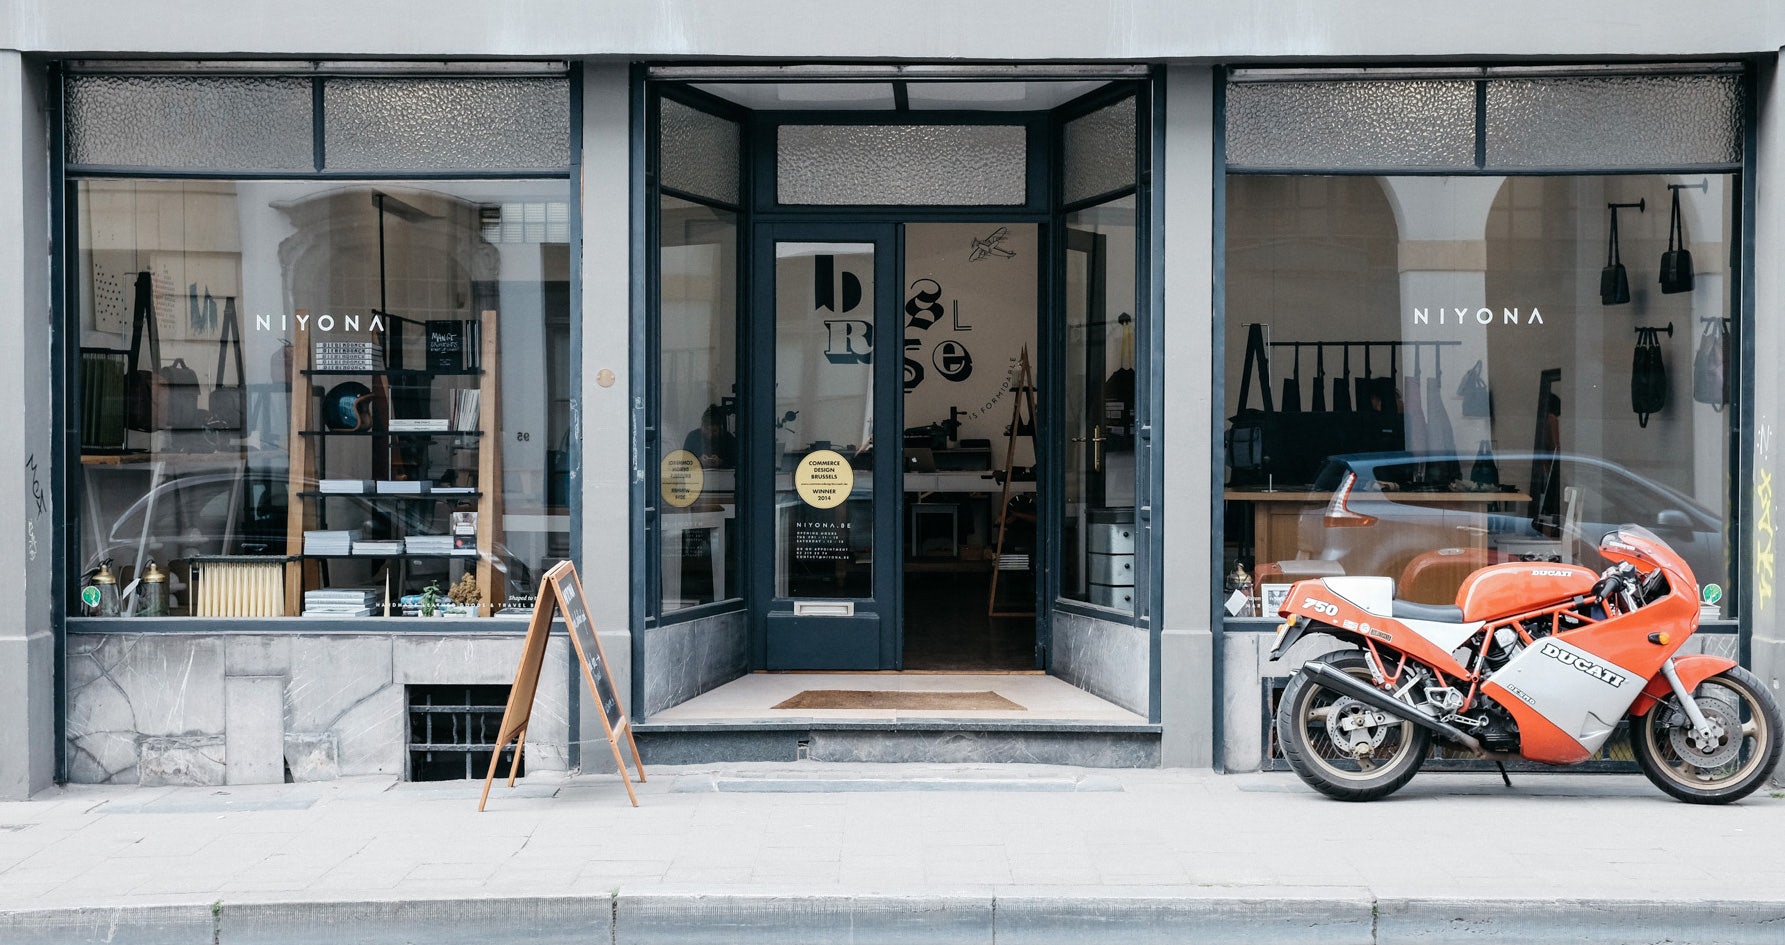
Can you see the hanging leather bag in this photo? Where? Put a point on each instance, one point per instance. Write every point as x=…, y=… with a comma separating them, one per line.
x=226, y=403
x=1474, y=392
x=1676, y=263
x=144, y=403
x=1648, y=376
x=1710, y=367
x=1251, y=434
x=1614, y=282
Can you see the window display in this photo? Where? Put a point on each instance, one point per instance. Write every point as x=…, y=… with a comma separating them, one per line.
x=1496, y=368
x=322, y=398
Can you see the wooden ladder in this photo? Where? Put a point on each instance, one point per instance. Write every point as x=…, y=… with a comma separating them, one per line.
x=1022, y=417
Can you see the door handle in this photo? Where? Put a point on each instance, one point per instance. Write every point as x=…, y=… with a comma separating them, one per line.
x=1096, y=440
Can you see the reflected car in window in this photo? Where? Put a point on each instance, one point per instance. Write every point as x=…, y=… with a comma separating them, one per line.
x=1381, y=518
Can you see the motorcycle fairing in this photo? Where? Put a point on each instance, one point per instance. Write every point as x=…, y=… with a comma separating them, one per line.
x=1566, y=700
x=1503, y=590
x=1692, y=670
x=1322, y=603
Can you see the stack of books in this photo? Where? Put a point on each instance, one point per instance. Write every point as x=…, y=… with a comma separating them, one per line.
x=465, y=408
x=329, y=542
x=347, y=356
x=402, y=486
x=340, y=602
x=384, y=547
x=343, y=486
x=428, y=544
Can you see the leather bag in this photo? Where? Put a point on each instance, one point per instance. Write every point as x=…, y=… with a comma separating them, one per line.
x=1477, y=402
x=1710, y=367
x=144, y=402
x=1614, y=282
x=1648, y=376
x=1676, y=263
x=226, y=404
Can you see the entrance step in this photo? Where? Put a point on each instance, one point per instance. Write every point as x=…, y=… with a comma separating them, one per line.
x=902, y=741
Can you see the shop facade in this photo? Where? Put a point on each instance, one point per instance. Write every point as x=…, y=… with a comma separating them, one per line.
x=340, y=347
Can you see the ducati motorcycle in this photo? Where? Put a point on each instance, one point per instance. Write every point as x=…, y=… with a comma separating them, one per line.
x=1535, y=661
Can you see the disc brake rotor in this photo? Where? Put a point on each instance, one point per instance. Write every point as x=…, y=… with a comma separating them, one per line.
x=1723, y=745
x=1353, y=726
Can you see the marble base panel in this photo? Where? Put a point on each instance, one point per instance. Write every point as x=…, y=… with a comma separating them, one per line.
x=683, y=660
x=249, y=708
x=1109, y=660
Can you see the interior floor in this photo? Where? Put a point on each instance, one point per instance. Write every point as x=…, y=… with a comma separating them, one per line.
x=1037, y=698
x=947, y=630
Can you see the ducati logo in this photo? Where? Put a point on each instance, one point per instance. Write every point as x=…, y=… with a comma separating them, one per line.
x=1589, y=667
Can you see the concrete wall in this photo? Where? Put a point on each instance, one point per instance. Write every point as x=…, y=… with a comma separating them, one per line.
x=248, y=708
x=1186, y=330
x=1762, y=495
x=27, y=515
x=928, y=29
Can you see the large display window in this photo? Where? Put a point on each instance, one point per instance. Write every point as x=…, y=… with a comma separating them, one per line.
x=299, y=397
x=1429, y=373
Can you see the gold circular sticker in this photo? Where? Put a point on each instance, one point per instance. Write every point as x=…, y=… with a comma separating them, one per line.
x=682, y=478
x=824, y=479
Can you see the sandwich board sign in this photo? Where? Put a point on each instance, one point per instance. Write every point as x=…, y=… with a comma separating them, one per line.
x=562, y=592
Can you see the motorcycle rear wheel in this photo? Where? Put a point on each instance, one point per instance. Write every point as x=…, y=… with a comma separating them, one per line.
x=1727, y=772
x=1364, y=762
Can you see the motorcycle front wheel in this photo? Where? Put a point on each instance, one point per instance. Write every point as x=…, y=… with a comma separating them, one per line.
x=1341, y=747
x=1718, y=770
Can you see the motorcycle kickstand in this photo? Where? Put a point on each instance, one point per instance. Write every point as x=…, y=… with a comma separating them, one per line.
x=1503, y=775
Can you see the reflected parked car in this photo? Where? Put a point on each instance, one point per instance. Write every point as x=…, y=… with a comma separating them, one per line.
x=1382, y=520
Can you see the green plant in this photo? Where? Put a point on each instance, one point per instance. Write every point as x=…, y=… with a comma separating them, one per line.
x=430, y=599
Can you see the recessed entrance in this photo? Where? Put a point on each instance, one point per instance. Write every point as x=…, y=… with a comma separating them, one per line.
x=932, y=421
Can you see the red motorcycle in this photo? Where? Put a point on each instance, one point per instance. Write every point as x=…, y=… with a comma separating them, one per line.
x=1534, y=661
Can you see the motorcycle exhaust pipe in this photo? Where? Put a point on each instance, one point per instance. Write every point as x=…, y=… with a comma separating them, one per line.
x=1345, y=684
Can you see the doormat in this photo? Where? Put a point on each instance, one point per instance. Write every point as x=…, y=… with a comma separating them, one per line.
x=897, y=699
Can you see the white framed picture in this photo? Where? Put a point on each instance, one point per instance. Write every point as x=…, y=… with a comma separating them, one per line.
x=1273, y=596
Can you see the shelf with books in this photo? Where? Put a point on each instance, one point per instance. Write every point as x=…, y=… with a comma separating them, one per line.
x=447, y=481
x=390, y=433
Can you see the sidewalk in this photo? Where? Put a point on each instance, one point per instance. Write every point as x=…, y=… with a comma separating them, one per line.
x=924, y=854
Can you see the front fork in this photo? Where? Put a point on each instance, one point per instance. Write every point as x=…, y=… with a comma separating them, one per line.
x=1704, y=732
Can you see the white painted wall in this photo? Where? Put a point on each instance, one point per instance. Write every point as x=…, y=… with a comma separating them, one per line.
x=923, y=29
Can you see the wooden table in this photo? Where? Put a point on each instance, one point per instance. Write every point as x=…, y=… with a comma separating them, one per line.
x=1276, y=514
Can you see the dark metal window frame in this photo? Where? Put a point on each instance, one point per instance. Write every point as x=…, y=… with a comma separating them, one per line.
x=1043, y=207
x=1741, y=300
x=65, y=290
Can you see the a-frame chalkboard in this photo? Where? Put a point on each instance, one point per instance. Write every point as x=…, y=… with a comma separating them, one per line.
x=562, y=592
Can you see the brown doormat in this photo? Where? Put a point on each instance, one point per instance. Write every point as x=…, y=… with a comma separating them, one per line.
x=897, y=699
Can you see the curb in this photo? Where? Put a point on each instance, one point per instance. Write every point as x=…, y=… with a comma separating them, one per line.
x=1027, y=916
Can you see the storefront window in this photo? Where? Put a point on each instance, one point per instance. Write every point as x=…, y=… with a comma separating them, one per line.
x=697, y=375
x=322, y=398
x=1426, y=375
x=1099, y=431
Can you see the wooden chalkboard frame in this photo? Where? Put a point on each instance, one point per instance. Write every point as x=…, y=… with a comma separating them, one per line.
x=561, y=591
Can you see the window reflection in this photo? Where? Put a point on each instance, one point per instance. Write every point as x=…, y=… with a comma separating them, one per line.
x=1423, y=376
x=697, y=377
x=323, y=399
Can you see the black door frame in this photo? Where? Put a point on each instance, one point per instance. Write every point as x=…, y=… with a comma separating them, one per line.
x=799, y=641
x=1044, y=207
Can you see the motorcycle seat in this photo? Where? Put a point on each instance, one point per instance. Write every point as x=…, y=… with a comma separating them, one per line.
x=1436, y=613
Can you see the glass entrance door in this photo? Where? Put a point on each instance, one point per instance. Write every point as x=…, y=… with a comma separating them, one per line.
x=830, y=477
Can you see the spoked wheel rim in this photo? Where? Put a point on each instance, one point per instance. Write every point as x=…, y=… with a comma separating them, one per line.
x=1740, y=747
x=1350, y=741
